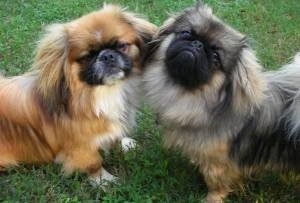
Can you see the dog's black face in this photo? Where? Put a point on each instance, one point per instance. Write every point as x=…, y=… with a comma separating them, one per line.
x=196, y=45
x=190, y=60
x=105, y=66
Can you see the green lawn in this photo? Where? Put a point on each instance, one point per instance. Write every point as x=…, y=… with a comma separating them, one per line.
x=148, y=173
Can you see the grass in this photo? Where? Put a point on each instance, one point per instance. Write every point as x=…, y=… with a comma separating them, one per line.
x=148, y=173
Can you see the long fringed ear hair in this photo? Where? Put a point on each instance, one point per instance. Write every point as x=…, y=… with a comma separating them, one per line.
x=145, y=31
x=144, y=28
x=157, y=39
x=50, y=64
x=248, y=81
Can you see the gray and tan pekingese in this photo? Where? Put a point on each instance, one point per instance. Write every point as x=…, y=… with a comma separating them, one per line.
x=217, y=105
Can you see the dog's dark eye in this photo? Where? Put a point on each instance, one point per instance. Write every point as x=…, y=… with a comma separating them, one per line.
x=185, y=33
x=123, y=46
x=86, y=58
x=216, y=58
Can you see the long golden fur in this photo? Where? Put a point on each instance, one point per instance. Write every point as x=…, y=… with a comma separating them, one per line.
x=217, y=105
x=50, y=114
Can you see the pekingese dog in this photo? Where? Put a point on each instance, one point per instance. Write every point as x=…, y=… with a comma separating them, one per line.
x=217, y=105
x=79, y=96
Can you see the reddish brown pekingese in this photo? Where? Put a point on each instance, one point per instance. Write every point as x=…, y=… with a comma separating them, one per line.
x=80, y=95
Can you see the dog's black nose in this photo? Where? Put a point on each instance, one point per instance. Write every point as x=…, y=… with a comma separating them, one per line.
x=108, y=56
x=115, y=59
x=197, y=44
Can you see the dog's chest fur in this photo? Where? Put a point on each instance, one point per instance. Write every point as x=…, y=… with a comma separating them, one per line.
x=117, y=104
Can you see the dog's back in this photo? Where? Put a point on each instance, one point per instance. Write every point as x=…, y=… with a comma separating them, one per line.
x=19, y=119
x=275, y=141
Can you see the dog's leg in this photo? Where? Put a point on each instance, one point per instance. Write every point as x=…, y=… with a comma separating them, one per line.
x=88, y=161
x=220, y=178
x=80, y=159
x=102, y=179
x=221, y=174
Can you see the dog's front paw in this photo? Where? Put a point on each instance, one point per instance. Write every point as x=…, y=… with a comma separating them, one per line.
x=103, y=180
x=128, y=144
x=214, y=198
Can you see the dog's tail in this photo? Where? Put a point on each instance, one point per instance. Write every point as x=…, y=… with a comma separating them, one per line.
x=285, y=89
x=291, y=76
x=288, y=76
x=297, y=58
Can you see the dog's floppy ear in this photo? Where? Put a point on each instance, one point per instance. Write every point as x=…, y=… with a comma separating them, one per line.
x=50, y=64
x=248, y=82
x=144, y=29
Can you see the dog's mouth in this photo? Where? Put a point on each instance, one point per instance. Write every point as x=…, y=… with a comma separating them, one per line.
x=109, y=67
x=186, y=57
x=114, y=75
x=187, y=63
x=179, y=46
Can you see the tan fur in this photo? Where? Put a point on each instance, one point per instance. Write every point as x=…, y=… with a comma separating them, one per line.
x=214, y=164
x=49, y=114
